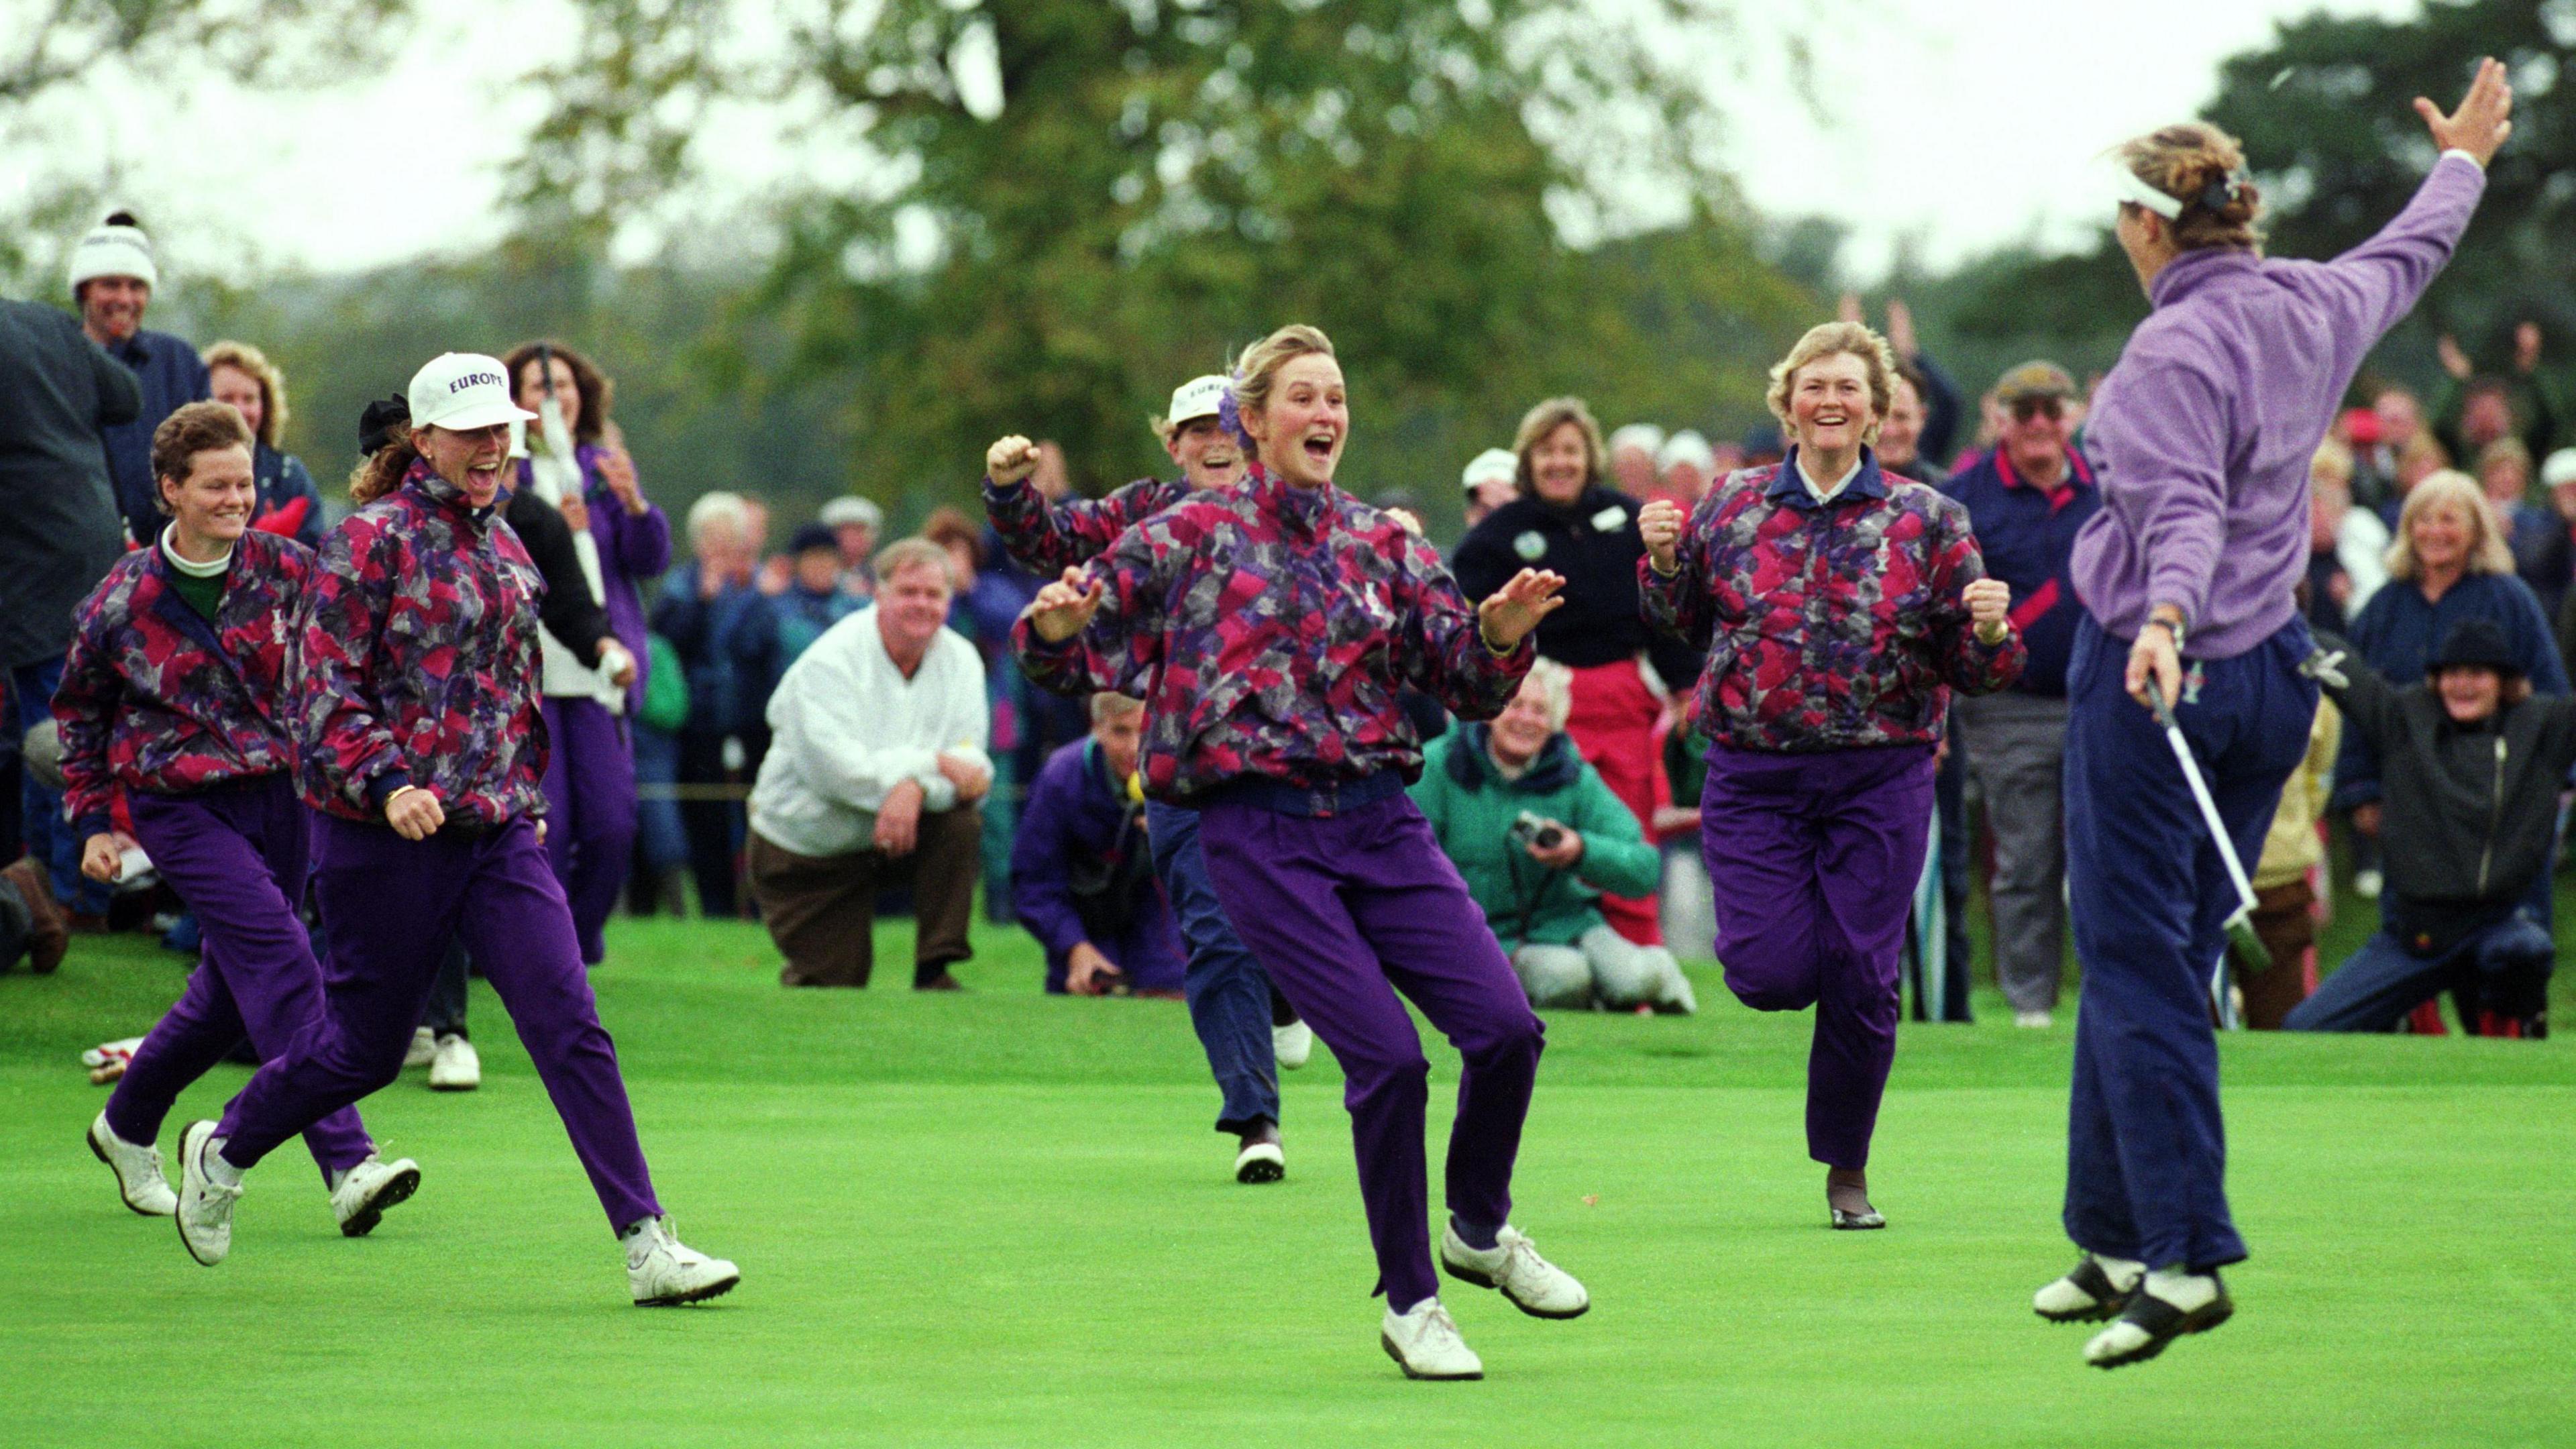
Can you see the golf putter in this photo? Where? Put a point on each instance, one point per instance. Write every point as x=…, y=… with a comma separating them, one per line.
x=2240, y=924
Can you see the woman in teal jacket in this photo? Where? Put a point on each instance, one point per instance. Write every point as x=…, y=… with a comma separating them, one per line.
x=1540, y=839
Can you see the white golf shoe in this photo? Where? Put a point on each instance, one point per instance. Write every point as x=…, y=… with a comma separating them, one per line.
x=665, y=1272
x=366, y=1190
x=1292, y=1044
x=1426, y=1345
x=1535, y=1286
x=205, y=1207
x=2095, y=1289
x=1260, y=1162
x=138, y=1171
x=456, y=1067
x=423, y=1049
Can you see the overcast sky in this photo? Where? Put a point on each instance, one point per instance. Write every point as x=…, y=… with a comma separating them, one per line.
x=1966, y=123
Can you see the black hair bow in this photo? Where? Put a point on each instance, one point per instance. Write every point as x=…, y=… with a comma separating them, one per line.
x=381, y=422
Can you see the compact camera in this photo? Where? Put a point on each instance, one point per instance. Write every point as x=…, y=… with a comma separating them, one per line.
x=1529, y=830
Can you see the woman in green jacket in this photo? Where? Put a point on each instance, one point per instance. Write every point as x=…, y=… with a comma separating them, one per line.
x=1540, y=839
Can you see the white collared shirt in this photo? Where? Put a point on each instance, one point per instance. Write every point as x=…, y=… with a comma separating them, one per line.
x=849, y=727
x=1826, y=494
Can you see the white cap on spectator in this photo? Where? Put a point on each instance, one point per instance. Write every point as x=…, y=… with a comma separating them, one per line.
x=2559, y=468
x=1686, y=446
x=114, y=249
x=460, y=391
x=851, y=509
x=1200, y=397
x=1645, y=437
x=1494, y=465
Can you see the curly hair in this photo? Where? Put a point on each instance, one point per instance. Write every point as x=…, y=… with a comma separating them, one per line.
x=253, y=363
x=1823, y=340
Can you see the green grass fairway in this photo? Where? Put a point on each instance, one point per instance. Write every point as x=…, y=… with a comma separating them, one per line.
x=996, y=1219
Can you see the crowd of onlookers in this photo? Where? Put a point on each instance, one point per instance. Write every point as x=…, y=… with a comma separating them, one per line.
x=808, y=723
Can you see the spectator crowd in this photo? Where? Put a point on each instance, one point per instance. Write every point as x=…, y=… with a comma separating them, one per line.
x=813, y=731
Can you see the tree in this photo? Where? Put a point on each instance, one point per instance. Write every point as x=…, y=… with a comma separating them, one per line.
x=2324, y=111
x=1089, y=203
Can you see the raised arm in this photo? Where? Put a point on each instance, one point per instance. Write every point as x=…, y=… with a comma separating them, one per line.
x=1672, y=579
x=1471, y=658
x=1099, y=626
x=1980, y=651
x=1048, y=538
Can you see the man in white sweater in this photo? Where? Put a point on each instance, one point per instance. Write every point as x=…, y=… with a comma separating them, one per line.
x=875, y=773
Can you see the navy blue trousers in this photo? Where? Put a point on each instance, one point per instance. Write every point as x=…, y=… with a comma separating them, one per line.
x=1227, y=991
x=2146, y=1153
x=2508, y=962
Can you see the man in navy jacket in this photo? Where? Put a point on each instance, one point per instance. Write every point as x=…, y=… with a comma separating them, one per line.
x=113, y=275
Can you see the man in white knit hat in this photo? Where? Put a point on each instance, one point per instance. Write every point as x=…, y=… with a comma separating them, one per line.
x=113, y=275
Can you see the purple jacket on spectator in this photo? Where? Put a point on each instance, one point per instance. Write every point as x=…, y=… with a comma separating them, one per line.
x=1047, y=539
x=156, y=698
x=1828, y=625
x=631, y=547
x=2026, y=535
x=2239, y=369
x=417, y=663
x=1074, y=811
x=1269, y=629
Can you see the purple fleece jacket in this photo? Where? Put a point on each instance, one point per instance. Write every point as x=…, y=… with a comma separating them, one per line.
x=2202, y=433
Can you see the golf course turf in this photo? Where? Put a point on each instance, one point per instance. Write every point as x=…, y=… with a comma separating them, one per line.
x=994, y=1218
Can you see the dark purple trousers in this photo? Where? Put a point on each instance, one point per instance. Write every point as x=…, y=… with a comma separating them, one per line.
x=236, y=854
x=590, y=813
x=1814, y=859
x=388, y=908
x=1343, y=910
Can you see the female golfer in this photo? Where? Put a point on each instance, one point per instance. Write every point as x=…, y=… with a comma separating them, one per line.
x=413, y=687
x=170, y=695
x=1244, y=1025
x=1269, y=627
x=1839, y=605
x=2201, y=438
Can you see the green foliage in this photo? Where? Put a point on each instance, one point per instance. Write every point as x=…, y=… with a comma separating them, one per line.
x=1158, y=184
x=2325, y=114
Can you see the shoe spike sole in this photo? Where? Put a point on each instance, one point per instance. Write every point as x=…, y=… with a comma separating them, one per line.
x=694, y=1295
x=394, y=1193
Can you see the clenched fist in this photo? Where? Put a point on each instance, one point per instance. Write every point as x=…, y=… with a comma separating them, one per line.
x=1989, y=602
x=1660, y=524
x=1011, y=460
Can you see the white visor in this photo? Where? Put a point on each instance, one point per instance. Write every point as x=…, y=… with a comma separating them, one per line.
x=2126, y=187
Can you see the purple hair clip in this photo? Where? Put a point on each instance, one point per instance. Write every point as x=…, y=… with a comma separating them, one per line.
x=1230, y=417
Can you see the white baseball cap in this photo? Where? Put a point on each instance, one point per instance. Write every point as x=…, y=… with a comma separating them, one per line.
x=1494, y=465
x=461, y=391
x=1200, y=397
x=115, y=248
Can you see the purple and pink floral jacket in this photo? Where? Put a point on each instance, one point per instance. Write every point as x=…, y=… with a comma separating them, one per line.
x=1048, y=538
x=1828, y=625
x=418, y=664
x=156, y=698
x=1269, y=629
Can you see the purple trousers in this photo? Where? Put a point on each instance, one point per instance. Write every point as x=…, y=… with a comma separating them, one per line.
x=389, y=906
x=1343, y=910
x=590, y=813
x=236, y=855
x=1814, y=859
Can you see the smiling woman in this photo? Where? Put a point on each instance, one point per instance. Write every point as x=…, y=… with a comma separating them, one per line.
x=1840, y=607
x=1269, y=628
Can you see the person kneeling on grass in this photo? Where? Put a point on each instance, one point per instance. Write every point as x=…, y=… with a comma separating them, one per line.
x=1082, y=878
x=1540, y=839
x=875, y=771
x=2472, y=808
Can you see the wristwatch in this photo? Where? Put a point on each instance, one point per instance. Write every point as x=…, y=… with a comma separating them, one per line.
x=2171, y=626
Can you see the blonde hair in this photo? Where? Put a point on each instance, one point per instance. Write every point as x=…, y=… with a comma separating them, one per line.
x=1823, y=340
x=2331, y=464
x=1540, y=423
x=2505, y=450
x=1260, y=364
x=2488, y=553
x=1556, y=683
x=249, y=360
x=2202, y=167
x=912, y=553
x=1106, y=706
